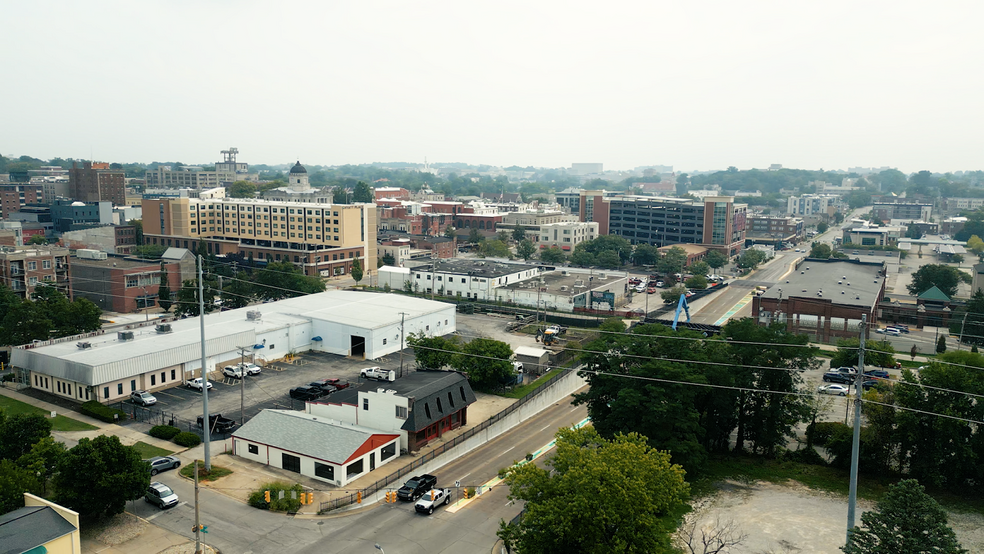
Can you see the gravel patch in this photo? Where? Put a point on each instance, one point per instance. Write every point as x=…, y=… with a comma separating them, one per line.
x=115, y=530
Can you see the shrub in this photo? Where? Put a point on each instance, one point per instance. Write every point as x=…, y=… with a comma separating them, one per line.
x=287, y=504
x=103, y=413
x=804, y=456
x=821, y=432
x=187, y=439
x=165, y=432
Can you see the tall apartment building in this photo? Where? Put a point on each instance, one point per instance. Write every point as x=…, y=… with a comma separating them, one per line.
x=809, y=204
x=914, y=211
x=96, y=182
x=23, y=268
x=567, y=234
x=14, y=196
x=716, y=223
x=323, y=239
x=772, y=230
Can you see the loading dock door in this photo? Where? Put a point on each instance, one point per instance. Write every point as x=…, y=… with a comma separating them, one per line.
x=358, y=349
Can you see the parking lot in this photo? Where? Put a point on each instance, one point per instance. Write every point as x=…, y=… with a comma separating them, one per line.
x=269, y=389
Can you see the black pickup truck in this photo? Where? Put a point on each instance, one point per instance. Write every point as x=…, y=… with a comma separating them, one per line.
x=218, y=424
x=416, y=487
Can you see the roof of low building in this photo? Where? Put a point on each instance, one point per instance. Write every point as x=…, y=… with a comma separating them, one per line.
x=312, y=436
x=935, y=294
x=476, y=268
x=29, y=527
x=847, y=282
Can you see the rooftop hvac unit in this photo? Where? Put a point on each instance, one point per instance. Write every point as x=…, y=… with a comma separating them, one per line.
x=163, y=328
x=565, y=273
x=254, y=315
x=563, y=288
x=83, y=345
x=602, y=276
x=124, y=335
x=90, y=254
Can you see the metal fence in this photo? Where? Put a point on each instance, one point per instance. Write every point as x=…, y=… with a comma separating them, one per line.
x=153, y=416
x=408, y=469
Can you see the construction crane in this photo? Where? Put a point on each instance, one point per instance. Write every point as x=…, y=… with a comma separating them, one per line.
x=681, y=305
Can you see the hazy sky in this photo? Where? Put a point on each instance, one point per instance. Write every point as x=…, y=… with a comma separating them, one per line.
x=693, y=84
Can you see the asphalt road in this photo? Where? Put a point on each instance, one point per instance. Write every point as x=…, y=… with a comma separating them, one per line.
x=236, y=527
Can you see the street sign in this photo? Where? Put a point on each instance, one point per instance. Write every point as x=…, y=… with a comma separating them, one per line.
x=457, y=484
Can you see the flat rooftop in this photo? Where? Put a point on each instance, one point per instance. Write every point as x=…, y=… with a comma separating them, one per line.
x=846, y=282
x=122, y=263
x=476, y=268
x=575, y=283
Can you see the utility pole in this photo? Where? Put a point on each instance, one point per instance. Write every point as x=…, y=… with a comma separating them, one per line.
x=242, y=385
x=201, y=319
x=960, y=340
x=402, y=318
x=198, y=526
x=852, y=496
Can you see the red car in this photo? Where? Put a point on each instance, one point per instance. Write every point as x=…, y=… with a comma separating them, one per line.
x=651, y=290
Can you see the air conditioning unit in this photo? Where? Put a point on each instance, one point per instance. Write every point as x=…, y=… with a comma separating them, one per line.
x=563, y=288
x=565, y=273
x=602, y=276
x=163, y=328
x=254, y=315
x=83, y=345
x=124, y=335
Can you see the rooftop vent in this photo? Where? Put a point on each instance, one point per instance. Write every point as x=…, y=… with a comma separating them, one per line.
x=565, y=273
x=83, y=345
x=124, y=335
x=563, y=288
x=254, y=315
x=163, y=328
x=842, y=292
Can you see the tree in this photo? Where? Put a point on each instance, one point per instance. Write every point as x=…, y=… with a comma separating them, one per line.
x=242, y=189
x=822, y=227
x=164, y=291
x=339, y=195
x=699, y=268
x=697, y=282
x=906, y=519
x=486, y=362
x=138, y=230
x=284, y=280
x=941, y=345
x=838, y=218
x=682, y=182
x=975, y=245
x=38, y=239
x=943, y=276
x=187, y=300
x=913, y=352
x=553, y=255
x=83, y=317
x=20, y=432
x=820, y=250
x=150, y=251
x=494, y=249
x=450, y=232
x=98, y=476
x=14, y=482
x=877, y=353
x=433, y=353
x=356, y=270
x=239, y=292
x=474, y=237
x=581, y=257
x=710, y=539
x=24, y=323
x=609, y=259
x=672, y=295
x=645, y=254
x=519, y=233
x=503, y=236
x=715, y=259
x=751, y=258
x=42, y=461
x=526, y=249
x=388, y=259
x=672, y=262
x=571, y=506
x=363, y=193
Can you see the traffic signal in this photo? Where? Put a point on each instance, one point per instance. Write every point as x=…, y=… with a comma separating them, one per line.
x=432, y=495
x=466, y=493
x=266, y=496
x=310, y=498
x=358, y=497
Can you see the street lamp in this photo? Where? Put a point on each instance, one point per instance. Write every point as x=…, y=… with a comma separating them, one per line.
x=379, y=548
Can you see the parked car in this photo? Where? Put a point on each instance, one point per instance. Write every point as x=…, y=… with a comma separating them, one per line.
x=196, y=383
x=432, y=498
x=217, y=423
x=835, y=389
x=378, y=374
x=162, y=463
x=233, y=371
x=416, y=487
x=143, y=398
x=838, y=377
x=306, y=392
x=660, y=284
x=250, y=368
x=651, y=290
x=876, y=374
x=161, y=495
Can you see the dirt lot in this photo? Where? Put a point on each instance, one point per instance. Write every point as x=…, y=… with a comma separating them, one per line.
x=792, y=518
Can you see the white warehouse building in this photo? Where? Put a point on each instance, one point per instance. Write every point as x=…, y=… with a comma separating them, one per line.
x=109, y=366
x=459, y=277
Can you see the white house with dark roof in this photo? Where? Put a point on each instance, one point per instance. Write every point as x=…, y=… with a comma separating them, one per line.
x=314, y=446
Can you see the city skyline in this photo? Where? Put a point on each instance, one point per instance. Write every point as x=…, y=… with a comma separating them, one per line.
x=543, y=84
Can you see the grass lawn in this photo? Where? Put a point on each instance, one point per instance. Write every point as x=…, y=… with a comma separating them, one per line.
x=149, y=451
x=59, y=423
x=523, y=390
x=217, y=471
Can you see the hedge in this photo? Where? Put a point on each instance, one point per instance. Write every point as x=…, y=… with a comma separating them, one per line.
x=166, y=432
x=103, y=413
x=287, y=504
x=187, y=439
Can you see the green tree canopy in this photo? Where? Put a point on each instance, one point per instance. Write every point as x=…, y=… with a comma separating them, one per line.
x=715, y=259
x=495, y=249
x=571, y=506
x=905, y=520
x=20, y=432
x=943, y=276
x=608, y=259
x=519, y=233
x=280, y=280
x=356, y=270
x=450, y=232
x=672, y=262
x=239, y=292
x=242, y=189
x=876, y=353
x=751, y=258
x=14, y=482
x=486, y=362
x=363, y=193
x=98, y=476
x=388, y=259
x=975, y=245
x=526, y=249
x=164, y=291
x=822, y=227
x=138, y=229
x=672, y=295
x=697, y=282
x=474, y=237
x=433, y=352
x=645, y=254
x=820, y=250
x=553, y=255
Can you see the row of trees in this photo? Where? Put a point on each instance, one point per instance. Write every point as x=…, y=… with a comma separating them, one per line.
x=47, y=314
x=95, y=478
x=486, y=362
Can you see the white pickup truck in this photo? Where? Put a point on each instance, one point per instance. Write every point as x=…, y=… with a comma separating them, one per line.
x=432, y=498
x=196, y=383
x=378, y=374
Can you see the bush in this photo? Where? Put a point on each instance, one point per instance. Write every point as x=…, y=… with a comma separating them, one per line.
x=187, y=439
x=287, y=504
x=804, y=456
x=165, y=432
x=94, y=409
x=820, y=433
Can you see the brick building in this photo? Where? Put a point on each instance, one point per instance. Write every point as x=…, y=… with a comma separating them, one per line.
x=24, y=268
x=96, y=182
x=120, y=284
x=14, y=196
